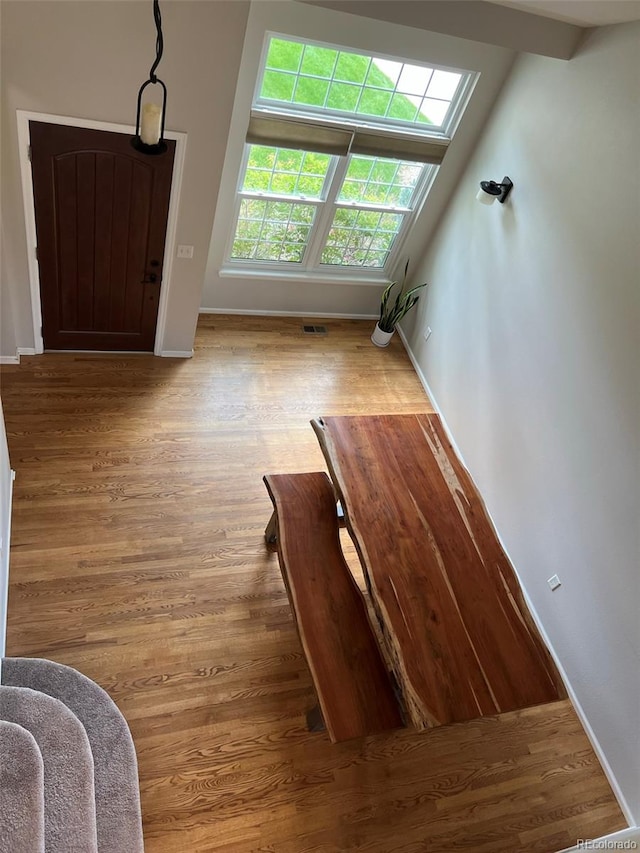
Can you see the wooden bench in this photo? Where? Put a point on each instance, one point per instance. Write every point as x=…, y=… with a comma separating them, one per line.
x=354, y=689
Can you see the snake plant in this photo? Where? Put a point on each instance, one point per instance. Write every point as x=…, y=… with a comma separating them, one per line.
x=392, y=312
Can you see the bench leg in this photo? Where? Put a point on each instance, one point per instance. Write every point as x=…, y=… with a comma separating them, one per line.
x=270, y=533
x=315, y=720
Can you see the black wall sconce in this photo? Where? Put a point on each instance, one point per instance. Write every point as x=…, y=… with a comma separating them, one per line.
x=149, y=138
x=490, y=191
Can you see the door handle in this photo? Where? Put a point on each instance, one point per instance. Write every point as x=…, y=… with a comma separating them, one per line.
x=149, y=278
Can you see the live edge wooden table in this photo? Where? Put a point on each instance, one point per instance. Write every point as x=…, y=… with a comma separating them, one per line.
x=456, y=629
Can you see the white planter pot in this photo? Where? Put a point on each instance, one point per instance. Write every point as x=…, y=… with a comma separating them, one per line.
x=380, y=338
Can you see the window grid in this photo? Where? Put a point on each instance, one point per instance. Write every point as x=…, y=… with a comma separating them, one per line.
x=271, y=173
x=360, y=233
x=271, y=224
x=399, y=90
x=393, y=190
x=419, y=115
x=354, y=245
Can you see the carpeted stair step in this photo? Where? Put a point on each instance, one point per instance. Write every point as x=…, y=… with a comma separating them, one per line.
x=117, y=794
x=21, y=791
x=69, y=808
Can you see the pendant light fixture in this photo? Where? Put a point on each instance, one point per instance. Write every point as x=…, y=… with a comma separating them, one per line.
x=149, y=138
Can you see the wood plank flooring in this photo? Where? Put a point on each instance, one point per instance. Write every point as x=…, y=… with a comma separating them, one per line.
x=138, y=557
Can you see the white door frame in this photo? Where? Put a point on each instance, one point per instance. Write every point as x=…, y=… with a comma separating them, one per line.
x=24, y=141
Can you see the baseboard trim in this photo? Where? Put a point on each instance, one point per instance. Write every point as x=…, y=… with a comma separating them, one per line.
x=608, y=772
x=15, y=359
x=20, y=351
x=248, y=313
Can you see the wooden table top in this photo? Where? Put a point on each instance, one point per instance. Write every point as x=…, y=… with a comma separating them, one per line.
x=456, y=628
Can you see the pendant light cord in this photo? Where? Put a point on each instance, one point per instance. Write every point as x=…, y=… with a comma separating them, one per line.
x=159, y=40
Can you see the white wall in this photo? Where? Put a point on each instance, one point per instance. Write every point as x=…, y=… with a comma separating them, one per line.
x=271, y=294
x=534, y=361
x=7, y=323
x=87, y=60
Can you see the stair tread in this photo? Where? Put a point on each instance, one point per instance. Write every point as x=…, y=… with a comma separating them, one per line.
x=69, y=814
x=117, y=795
x=22, y=786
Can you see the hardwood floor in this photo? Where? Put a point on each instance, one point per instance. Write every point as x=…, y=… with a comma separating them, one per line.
x=138, y=558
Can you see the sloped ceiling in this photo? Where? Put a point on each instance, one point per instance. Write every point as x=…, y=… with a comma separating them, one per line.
x=584, y=13
x=491, y=23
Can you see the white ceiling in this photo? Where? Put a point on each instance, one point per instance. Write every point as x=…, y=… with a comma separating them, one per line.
x=585, y=13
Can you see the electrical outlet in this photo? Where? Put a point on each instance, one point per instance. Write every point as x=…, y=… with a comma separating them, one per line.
x=427, y=333
x=184, y=252
x=554, y=582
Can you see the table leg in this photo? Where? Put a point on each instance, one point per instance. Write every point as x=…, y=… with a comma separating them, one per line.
x=315, y=720
x=271, y=532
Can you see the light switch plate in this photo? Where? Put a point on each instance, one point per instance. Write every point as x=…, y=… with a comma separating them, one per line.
x=185, y=252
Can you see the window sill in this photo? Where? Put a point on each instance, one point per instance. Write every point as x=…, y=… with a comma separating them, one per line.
x=304, y=277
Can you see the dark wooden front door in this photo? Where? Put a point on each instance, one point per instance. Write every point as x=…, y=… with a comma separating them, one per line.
x=101, y=220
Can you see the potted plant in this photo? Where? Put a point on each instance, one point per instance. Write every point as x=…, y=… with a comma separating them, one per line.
x=391, y=312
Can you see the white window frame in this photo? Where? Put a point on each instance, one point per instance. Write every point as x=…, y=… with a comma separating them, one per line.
x=307, y=24
x=340, y=117
x=328, y=204
x=320, y=229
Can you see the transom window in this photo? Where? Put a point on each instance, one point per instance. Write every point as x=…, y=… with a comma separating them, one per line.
x=340, y=152
x=327, y=78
